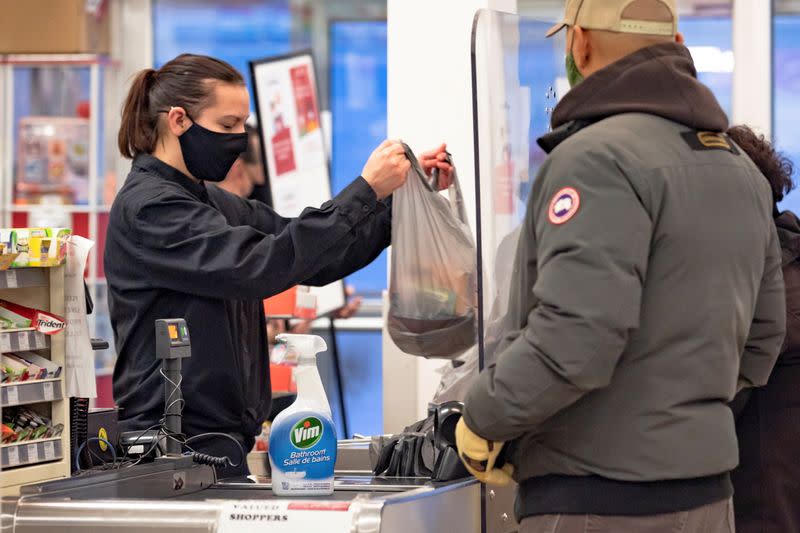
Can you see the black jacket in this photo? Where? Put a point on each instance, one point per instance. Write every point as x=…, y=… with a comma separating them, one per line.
x=176, y=249
x=767, y=481
x=789, y=234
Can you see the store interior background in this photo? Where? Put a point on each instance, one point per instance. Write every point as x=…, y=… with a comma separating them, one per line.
x=349, y=41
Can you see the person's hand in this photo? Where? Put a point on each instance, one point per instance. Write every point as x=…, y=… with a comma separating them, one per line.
x=479, y=456
x=301, y=328
x=352, y=306
x=437, y=158
x=386, y=168
x=274, y=328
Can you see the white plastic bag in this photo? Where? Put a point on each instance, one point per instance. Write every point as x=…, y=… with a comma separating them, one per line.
x=432, y=289
x=459, y=375
x=457, y=378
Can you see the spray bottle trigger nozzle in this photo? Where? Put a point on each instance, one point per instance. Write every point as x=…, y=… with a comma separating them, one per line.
x=293, y=349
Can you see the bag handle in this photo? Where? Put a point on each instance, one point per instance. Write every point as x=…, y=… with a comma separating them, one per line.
x=454, y=192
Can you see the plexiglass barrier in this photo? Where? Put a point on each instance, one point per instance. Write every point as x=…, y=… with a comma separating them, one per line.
x=518, y=77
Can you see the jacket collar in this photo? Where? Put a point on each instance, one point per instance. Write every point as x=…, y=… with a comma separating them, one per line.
x=153, y=165
x=549, y=141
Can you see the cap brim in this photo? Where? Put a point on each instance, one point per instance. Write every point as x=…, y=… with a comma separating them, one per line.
x=555, y=29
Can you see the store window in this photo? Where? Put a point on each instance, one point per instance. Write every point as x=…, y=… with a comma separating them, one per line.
x=786, y=85
x=710, y=40
x=237, y=32
x=358, y=110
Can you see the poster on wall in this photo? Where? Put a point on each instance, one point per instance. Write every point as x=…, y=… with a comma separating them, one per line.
x=293, y=145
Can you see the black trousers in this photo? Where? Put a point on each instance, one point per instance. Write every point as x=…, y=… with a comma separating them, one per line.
x=713, y=518
x=767, y=481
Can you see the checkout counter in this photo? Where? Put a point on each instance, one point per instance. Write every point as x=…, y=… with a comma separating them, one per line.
x=176, y=491
x=177, y=495
x=513, y=68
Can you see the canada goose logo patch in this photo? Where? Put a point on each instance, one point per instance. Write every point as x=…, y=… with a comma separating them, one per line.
x=703, y=141
x=564, y=205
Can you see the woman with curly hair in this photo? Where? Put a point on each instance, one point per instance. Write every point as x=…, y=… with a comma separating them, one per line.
x=767, y=482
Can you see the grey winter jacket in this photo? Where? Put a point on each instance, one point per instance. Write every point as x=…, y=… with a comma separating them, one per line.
x=647, y=285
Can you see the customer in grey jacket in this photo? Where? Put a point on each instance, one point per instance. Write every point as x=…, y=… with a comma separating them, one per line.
x=647, y=289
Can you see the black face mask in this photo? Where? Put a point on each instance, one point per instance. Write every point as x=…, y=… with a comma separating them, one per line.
x=209, y=155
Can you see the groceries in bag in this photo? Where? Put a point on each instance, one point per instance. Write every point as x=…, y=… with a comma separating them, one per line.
x=433, y=287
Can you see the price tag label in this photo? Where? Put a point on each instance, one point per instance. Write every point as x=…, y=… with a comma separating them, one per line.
x=13, y=396
x=33, y=453
x=13, y=456
x=5, y=343
x=38, y=341
x=49, y=451
x=48, y=390
x=24, y=341
x=11, y=279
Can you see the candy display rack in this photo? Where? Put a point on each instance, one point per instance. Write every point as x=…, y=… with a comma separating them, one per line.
x=42, y=459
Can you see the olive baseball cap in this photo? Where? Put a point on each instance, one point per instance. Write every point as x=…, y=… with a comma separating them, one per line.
x=646, y=17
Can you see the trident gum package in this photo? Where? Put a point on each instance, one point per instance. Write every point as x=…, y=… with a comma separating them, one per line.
x=19, y=317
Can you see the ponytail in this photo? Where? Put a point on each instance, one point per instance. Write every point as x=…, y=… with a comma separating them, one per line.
x=138, y=131
x=179, y=83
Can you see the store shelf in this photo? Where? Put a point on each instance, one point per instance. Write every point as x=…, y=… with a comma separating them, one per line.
x=37, y=473
x=28, y=392
x=22, y=278
x=22, y=340
x=31, y=453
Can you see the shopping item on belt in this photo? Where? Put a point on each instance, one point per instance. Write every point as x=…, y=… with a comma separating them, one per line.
x=433, y=272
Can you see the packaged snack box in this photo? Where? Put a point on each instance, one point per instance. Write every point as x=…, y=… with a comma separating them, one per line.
x=33, y=247
x=51, y=368
x=14, y=369
x=21, y=242
x=49, y=250
x=7, y=253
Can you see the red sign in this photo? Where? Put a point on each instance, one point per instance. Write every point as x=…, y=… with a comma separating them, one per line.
x=307, y=117
x=284, y=151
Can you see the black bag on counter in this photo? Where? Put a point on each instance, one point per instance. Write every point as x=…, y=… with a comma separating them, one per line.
x=426, y=449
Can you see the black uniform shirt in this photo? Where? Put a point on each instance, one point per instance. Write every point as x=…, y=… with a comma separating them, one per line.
x=176, y=249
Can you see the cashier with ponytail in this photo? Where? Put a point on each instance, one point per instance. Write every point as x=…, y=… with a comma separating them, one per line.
x=178, y=249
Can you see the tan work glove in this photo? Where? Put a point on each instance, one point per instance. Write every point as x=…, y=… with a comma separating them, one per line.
x=479, y=456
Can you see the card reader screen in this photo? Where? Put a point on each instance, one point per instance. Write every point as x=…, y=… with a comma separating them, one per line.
x=173, y=332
